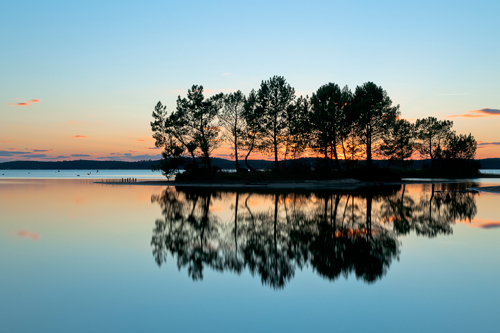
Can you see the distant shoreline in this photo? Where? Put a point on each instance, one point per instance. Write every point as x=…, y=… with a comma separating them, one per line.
x=487, y=163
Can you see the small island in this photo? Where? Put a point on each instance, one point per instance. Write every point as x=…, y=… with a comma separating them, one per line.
x=334, y=134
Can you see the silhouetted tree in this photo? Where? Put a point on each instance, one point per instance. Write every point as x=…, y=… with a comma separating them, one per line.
x=399, y=141
x=327, y=118
x=232, y=120
x=172, y=149
x=272, y=100
x=432, y=134
x=374, y=114
x=460, y=147
x=198, y=115
x=252, y=133
x=299, y=127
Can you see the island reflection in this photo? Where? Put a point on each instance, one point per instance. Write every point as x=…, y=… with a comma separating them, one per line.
x=273, y=233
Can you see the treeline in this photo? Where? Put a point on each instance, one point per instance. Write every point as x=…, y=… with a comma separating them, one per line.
x=334, y=123
x=78, y=164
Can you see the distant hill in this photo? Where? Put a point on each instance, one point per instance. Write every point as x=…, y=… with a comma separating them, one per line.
x=488, y=163
x=113, y=165
x=78, y=164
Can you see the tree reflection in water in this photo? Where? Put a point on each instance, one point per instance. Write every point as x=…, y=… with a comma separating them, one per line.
x=336, y=233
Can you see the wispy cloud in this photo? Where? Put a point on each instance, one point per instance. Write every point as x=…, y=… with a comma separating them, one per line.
x=41, y=150
x=80, y=155
x=25, y=103
x=33, y=155
x=6, y=141
x=453, y=94
x=28, y=234
x=488, y=143
x=151, y=148
x=11, y=153
x=490, y=225
x=78, y=137
x=478, y=113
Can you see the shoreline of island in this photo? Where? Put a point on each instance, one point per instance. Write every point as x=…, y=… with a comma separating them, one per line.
x=336, y=184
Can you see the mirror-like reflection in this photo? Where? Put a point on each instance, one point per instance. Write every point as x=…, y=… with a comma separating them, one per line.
x=273, y=233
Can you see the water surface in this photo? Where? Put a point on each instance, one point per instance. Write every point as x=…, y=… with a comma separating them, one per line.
x=79, y=256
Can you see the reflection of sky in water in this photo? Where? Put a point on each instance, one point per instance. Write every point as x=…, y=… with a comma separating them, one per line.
x=77, y=256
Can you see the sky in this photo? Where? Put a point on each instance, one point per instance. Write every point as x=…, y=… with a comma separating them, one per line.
x=79, y=80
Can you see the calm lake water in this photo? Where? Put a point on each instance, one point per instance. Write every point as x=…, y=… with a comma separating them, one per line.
x=78, y=256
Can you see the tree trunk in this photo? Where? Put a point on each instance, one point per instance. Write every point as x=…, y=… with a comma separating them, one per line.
x=276, y=163
x=369, y=150
x=334, y=151
x=194, y=161
x=236, y=156
x=248, y=154
x=346, y=164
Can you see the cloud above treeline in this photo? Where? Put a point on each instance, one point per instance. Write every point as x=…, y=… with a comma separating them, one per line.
x=478, y=113
x=35, y=154
x=8, y=153
x=480, y=143
x=28, y=234
x=25, y=103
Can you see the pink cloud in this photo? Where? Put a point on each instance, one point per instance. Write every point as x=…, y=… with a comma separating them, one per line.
x=25, y=103
x=481, y=143
x=78, y=137
x=478, y=113
x=28, y=234
x=488, y=225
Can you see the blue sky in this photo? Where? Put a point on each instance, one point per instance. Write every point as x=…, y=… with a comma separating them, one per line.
x=98, y=68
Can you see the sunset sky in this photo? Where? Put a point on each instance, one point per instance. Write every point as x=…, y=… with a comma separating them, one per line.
x=81, y=79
